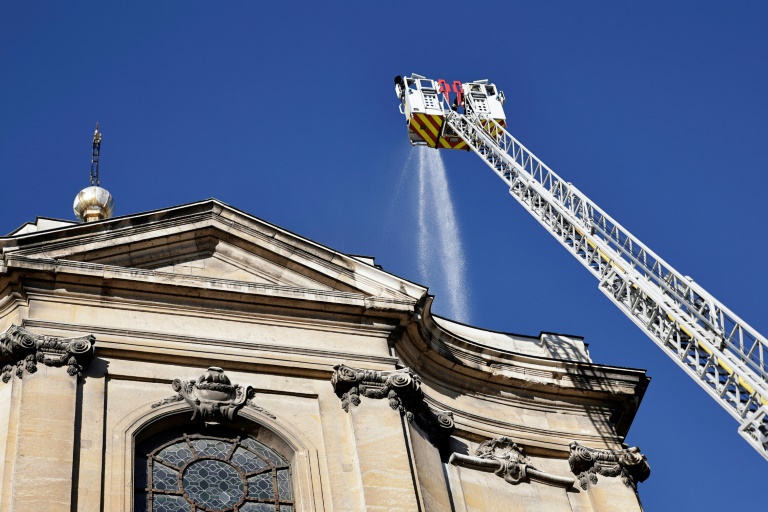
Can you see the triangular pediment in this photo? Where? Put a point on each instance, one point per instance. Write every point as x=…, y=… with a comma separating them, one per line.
x=211, y=253
x=227, y=261
x=208, y=242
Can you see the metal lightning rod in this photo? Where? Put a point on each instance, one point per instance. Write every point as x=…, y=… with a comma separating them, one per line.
x=95, y=157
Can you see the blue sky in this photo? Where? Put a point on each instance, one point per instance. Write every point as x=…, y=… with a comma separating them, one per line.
x=655, y=110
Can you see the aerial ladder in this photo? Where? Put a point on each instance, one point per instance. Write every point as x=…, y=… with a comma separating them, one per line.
x=721, y=352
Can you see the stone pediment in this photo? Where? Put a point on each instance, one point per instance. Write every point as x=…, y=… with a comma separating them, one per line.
x=212, y=254
x=205, y=244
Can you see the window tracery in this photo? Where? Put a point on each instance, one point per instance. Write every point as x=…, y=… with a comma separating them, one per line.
x=203, y=473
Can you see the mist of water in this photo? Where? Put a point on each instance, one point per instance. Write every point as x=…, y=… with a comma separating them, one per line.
x=441, y=256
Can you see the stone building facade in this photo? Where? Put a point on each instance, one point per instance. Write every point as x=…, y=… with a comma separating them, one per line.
x=197, y=358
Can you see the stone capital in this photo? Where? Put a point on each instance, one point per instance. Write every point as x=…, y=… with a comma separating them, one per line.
x=22, y=350
x=403, y=390
x=587, y=463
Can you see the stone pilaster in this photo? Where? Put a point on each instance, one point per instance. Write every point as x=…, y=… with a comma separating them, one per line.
x=42, y=470
x=45, y=372
x=9, y=416
x=383, y=447
x=93, y=413
x=383, y=459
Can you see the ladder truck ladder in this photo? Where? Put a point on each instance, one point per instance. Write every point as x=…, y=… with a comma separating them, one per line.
x=727, y=357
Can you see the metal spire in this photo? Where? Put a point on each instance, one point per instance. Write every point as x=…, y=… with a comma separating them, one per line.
x=95, y=157
x=94, y=203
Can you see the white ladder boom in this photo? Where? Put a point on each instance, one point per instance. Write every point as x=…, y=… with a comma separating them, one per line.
x=715, y=347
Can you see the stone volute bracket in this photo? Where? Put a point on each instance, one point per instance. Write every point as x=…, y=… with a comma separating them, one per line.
x=403, y=390
x=587, y=463
x=22, y=350
x=213, y=397
x=508, y=460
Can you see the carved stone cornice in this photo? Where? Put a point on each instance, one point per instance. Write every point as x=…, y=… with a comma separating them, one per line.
x=508, y=460
x=212, y=396
x=587, y=463
x=22, y=350
x=464, y=359
x=403, y=390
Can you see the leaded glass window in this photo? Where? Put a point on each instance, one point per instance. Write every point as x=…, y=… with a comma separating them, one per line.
x=196, y=473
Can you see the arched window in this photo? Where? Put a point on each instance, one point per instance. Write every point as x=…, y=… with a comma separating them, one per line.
x=211, y=472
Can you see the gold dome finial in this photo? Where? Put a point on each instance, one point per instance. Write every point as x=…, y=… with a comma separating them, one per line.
x=94, y=203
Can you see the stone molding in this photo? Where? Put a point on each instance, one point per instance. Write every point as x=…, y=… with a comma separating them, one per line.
x=21, y=350
x=403, y=390
x=587, y=463
x=212, y=396
x=56, y=251
x=450, y=357
x=508, y=460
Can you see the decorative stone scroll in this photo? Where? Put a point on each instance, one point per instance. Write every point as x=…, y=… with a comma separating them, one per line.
x=213, y=396
x=508, y=460
x=22, y=350
x=587, y=463
x=403, y=390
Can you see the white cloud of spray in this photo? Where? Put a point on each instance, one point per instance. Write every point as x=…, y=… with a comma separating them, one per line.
x=442, y=264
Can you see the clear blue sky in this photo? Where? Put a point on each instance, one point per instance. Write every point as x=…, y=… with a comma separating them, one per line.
x=656, y=110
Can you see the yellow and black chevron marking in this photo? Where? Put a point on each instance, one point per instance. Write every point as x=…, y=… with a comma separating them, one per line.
x=492, y=128
x=428, y=128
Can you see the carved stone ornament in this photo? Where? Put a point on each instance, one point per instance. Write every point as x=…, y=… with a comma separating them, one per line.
x=212, y=396
x=587, y=463
x=508, y=460
x=511, y=458
x=403, y=390
x=22, y=350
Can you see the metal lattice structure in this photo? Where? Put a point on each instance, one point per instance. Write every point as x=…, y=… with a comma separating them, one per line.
x=727, y=357
x=95, y=157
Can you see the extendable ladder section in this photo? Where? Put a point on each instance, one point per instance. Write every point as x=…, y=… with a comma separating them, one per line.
x=715, y=347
